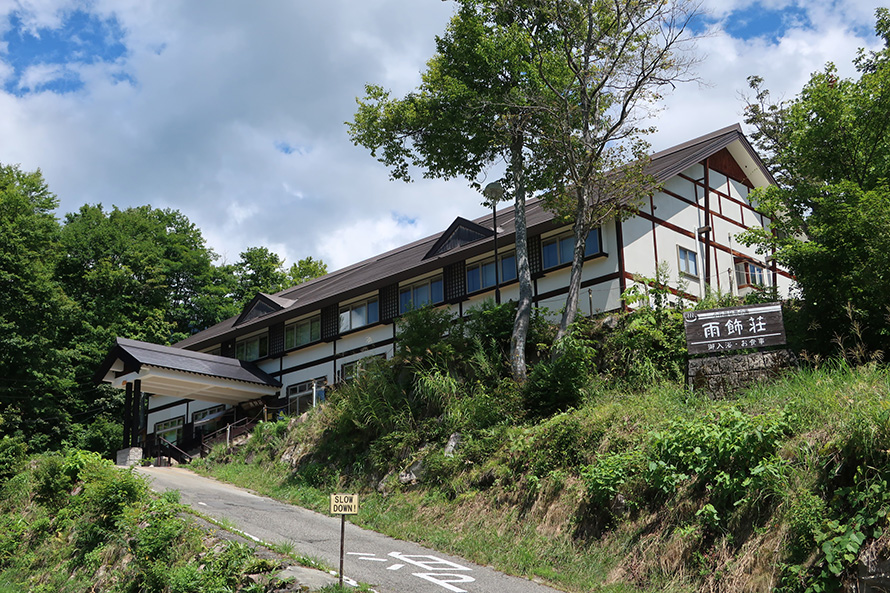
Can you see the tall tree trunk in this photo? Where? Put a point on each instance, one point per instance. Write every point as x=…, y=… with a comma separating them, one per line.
x=579, y=230
x=524, y=307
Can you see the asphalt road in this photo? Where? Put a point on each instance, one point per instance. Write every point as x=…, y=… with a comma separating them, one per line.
x=390, y=565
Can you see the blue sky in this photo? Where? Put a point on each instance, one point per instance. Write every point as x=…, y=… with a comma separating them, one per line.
x=233, y=113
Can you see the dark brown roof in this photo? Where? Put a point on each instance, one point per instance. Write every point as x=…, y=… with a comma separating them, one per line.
x=135, y=354
x=412, y=260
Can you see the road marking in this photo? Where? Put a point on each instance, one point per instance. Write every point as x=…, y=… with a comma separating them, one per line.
x=431, y=563
x=444, y=579
x=203, y=504
x=395, y=567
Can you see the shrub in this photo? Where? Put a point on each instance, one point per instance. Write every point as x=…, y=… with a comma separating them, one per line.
x=104, y=436
x=648, y=345
x=12, y=456
x=421, y=331
x=555, y=386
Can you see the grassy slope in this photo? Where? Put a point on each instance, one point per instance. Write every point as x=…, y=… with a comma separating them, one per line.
x=783, y=487
x=74, y=523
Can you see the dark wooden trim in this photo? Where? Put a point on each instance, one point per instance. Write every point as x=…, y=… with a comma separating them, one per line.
x=179, y=402
x=622, y=268
x=128, y=414
x=691, y=235
x=707, y=218
x=691, y=203
x=720, y=193
x=333, y=357
x=586, y=284
x=138, y=412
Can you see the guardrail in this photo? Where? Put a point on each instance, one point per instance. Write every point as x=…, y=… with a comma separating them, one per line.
x=235, y=429
x=172, y=451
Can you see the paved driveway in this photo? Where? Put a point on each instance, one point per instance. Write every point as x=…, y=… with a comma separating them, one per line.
x=391, y=565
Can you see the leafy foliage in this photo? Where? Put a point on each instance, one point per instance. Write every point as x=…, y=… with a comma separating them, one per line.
x=829, y=148
x=80, y=524
x=555, y=385
x=67, y=290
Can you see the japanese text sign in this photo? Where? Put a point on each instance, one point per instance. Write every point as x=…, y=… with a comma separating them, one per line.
x=734, y=328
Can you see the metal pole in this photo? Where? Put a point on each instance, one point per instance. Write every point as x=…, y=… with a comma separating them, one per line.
x=342, y=540
x=497, y=264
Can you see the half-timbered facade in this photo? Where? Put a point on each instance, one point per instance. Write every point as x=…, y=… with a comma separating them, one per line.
x=316, y=333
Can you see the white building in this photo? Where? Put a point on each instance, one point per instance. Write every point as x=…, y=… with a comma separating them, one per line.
x=293, y=342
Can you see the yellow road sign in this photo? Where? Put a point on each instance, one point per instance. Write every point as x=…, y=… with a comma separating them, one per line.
x=344, y=504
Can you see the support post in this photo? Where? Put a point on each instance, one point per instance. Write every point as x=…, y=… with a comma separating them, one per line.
x=707, y=225
x=136, y=418
x=342, y=543
x=128, y=415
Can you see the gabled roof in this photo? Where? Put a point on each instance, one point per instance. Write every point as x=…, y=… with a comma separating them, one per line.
x=667, y=163
x=461, y=232
x=131, y=356
x=261, y=305
x=430, y=254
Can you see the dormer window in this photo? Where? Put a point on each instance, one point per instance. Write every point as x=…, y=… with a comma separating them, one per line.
x=461, y=232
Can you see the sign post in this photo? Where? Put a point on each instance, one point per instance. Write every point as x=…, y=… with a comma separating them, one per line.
x=343, y=504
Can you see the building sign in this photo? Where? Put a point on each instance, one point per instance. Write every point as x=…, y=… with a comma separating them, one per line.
x=344, y=504
x=734, y=328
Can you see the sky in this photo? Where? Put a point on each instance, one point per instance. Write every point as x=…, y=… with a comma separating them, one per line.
x=234, y=112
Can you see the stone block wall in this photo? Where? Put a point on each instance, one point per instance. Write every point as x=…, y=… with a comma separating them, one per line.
x=721, y=376
x=129, y=456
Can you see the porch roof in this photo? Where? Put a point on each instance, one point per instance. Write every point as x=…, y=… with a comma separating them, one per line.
x=174, y=372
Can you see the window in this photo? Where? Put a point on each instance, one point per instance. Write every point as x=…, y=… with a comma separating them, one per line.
x=359, y=314
x=481, y=275
x=349, y=370
x=688, y=262
x=305, y=395
x=207, y=420
x=508, y=267
x=428, y=292
x=201, y=414
x=170, y=430
x=560, y=249
x=252, y=348
x=302, y=333
x=594, y=243
x=749, y=274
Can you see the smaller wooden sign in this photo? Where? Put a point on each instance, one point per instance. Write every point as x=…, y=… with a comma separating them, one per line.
x=344, y=504
x=734, y=328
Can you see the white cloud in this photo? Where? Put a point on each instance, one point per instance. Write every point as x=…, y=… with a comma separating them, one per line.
x=195, y=114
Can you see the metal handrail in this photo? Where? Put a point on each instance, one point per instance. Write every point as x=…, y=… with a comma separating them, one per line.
x=162, y=441
x=246, y=421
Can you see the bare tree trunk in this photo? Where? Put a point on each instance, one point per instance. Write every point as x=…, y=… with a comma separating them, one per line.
x=579, y=230
x=524, y=307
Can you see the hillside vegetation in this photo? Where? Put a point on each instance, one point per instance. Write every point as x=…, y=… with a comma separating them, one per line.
x=74, y=523
x=603, y=471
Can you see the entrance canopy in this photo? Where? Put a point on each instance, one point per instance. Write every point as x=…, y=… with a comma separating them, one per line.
x=163, y=370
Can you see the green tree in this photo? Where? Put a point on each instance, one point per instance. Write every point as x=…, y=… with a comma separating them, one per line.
x=258, y=270
x=473, y=109
x=829, y=150
x=136, y=272
x=35, y=374
x=306, y=269
x=617, y=57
